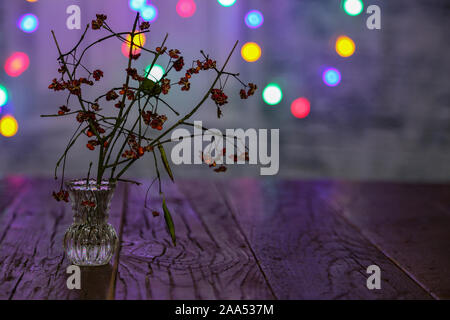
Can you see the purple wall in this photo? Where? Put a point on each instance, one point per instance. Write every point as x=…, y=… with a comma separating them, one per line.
x=388, y=119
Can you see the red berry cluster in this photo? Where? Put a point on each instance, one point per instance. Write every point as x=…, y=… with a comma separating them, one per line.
x=132, y=72
x=73, y=86
x=251, y=91
x=205, y=65
x=97, y=74
x=98, y=23
x=128, y=92
x=144, y=25
x=88, y=203
x=219, y=97
x=165, y=86
x=136, y=151
x=179, y=64
x=154, y=120
x=111, y=95
x=63, y=110
x=61, y=195
x=85, y=116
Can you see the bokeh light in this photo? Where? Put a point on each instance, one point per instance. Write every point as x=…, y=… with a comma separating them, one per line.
x=149, y=12
x=126, y=50
x=272, y=94
x=331, y=77
x=345, y=47
x=32, y=0
x=300, y=108
x=226, y=3
x=16, y=64
x=8, y=126
x=28, y=23
x=3, y=96
x=136, y=5
x=254, y=19
x=186, y=8
x=353, y=7
x=156, y=73
x=251, y=52
x=138, y=40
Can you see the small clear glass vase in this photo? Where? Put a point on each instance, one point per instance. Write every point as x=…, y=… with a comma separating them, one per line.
x=90, y=240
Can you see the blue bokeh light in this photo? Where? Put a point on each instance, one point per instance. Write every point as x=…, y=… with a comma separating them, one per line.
x=136, y=5
x=254, y=19
x=332, y=77
x=149, y=13
x=28, y=23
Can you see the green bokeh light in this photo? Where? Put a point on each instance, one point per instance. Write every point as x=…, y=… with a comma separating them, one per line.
x=3, y=96
x=272, y=94
x=226, y=3
x=353, y=7
x=156, y=73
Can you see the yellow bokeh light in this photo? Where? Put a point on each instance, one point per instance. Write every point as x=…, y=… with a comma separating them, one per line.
x=8, y=126
x=251, y=52
x=32, y=0
x=138, y=40
x=345, y=47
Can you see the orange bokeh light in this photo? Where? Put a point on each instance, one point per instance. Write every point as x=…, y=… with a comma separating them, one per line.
x=138, y=40
x=345, y=46
x=251, y=52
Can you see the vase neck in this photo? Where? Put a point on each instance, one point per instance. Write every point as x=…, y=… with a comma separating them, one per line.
x=91, y=206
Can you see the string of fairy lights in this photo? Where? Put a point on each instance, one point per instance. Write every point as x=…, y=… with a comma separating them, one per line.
x=272, y=94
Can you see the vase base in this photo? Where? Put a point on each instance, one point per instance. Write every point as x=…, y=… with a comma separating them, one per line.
x=90, y=246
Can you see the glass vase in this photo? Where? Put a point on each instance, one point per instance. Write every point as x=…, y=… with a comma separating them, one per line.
x=90, y=240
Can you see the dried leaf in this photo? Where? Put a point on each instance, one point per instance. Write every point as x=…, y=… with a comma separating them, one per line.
x=169, y=221
x=165, y=162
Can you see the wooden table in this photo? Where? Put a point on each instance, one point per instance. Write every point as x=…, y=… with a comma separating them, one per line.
x=238, y=239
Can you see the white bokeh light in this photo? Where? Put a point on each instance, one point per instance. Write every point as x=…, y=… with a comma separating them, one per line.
x=156, y=73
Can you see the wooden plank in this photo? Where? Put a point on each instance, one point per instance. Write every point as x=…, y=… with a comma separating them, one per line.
x=305, y=248
x=32, y=260
x=211, y=259
x=410, y=223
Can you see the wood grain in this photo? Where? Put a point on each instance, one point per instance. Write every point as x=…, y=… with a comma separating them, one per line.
x=305, y=248
x=211, y=259
x=10, y=189
x=238, y=239
x=410, y=223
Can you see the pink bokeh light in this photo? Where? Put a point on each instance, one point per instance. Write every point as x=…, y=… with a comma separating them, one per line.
x=16, y=64
x=186, y=8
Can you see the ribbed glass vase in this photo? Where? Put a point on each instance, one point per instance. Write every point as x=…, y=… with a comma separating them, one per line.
x=90, y=240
